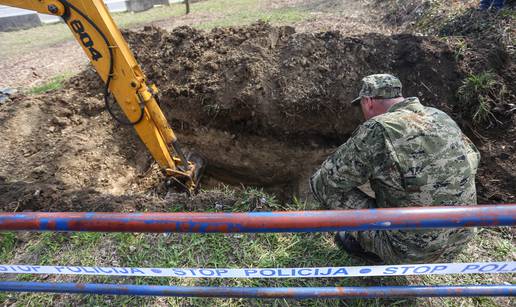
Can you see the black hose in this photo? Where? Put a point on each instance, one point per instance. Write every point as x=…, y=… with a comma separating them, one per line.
x=67, y=4
x=120, y=120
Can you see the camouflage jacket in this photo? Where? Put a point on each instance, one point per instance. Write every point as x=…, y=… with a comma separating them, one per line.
x=412, y=155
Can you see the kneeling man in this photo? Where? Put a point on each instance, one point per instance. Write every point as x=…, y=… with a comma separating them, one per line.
x=411, y=155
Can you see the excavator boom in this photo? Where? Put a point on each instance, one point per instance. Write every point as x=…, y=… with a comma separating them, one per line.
x=109, y=53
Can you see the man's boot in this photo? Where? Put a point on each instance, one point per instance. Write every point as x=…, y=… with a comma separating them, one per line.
x=495, y=9
x=497, y=5
x=350, y=245
x=485, y=5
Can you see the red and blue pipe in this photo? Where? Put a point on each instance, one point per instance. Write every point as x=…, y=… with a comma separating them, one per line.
x=283, y=221
x=240, y=292
x=300, y=221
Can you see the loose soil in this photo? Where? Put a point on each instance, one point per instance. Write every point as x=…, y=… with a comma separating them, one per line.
x=31, y=69
x=350, y=17
x=259, y=102
x=265, y=105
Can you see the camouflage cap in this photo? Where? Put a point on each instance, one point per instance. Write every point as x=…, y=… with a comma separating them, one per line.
x=383, y=86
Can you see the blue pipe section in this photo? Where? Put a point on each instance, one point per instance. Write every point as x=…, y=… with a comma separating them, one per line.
x=241, y=292
x=295, y=221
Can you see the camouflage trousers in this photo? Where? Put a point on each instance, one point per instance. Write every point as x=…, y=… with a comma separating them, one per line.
x=402, y=246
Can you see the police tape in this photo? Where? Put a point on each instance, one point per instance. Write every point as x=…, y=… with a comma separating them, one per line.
x=353, y=271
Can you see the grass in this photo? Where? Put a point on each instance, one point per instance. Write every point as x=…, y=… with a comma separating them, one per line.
x=243, y=12
x=219, y=251
x=427, y=16
x=214, y=250
x=459, y=47
x=477, y=93
x=22, y=41
x=281, y=16
x=53, y=84
x=435, y=18
x=7, y=244
x=224, y=13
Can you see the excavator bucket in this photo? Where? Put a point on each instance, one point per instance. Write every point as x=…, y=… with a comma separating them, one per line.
x=199, y=163
x=187, y=179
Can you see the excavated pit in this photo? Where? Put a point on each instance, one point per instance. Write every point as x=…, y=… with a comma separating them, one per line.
x=265, y=105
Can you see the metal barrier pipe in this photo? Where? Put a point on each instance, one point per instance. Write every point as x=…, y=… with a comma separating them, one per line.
x=286, y=221
x=240, y=292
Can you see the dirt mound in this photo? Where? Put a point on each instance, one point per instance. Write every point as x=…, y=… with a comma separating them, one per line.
x=482, y=41
x=483, y=45
x=65, y=139
x=273, y=82
x=22, y=197
x=265, y=105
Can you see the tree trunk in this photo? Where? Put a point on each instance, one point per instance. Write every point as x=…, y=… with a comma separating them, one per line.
x=187, y=3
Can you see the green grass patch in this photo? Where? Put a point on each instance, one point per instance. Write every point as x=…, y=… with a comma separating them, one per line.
x=22, y=41
x=459, y=46
x=129, y=19
x=280, y=16
x=225, y=251
x=7, y=244
x=222, y=13
x=185, y=251
x=478, y=93
x=51, y=85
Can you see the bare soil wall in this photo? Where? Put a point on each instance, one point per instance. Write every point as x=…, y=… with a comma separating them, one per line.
x=265, y=105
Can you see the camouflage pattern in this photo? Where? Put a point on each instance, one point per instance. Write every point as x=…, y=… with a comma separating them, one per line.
x=383, y=86
x=412, y=156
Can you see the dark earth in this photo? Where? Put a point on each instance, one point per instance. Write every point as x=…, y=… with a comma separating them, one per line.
x=265, y=105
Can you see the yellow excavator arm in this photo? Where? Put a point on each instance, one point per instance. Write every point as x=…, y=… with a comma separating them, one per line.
x=101, y=40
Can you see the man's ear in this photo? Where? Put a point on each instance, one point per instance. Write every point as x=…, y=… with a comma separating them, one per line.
x=369, y=103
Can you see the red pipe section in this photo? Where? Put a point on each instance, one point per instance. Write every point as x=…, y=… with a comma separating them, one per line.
x=287, y=221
